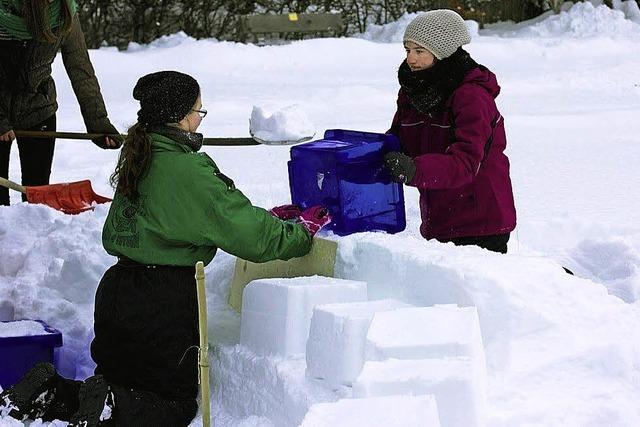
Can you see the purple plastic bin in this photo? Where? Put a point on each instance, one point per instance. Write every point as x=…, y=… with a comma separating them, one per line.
x=19, y=354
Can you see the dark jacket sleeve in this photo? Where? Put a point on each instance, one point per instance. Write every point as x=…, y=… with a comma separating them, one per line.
x=83, y=80
x=231, y=223
x=473, y=109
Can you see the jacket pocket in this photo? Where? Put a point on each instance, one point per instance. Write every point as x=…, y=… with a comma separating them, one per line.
x=412, y=136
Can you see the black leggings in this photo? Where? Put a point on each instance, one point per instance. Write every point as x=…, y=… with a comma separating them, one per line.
x=146, y=338
x=495, y=243
x=36, y=157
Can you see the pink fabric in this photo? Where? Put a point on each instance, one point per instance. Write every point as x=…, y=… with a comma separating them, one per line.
x=463, y=192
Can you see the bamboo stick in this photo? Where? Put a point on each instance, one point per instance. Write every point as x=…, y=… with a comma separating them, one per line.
x=203, y=356
x=230, y=141
x=12, y=185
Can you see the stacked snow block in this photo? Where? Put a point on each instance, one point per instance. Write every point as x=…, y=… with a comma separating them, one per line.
x=337, y=339
x=428, y=350
x=276, y=313
x=391, y=411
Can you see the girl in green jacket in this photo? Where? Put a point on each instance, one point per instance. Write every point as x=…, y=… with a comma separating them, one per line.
x=172, y=208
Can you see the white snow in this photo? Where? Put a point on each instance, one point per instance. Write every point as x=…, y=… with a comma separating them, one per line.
x=276, y=313
x=560, y=349
x=337, y=339
x=285, y=124
x=390, y=411
x=21, y=328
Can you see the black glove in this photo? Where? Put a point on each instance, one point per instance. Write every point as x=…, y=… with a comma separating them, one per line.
x=401, y=167
x=108, y=130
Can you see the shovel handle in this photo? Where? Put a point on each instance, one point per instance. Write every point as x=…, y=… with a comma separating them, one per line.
x=232, y=141
x=12, y=185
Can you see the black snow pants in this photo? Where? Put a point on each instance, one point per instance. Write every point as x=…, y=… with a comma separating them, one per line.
x=146, y=338
x=36, y=157
x=495, y=243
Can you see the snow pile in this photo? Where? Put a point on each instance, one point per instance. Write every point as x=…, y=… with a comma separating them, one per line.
x=393, y=32
x=247, y=384
x=50, y=271
x=20, y=328
x=582, y=20
x=614, y=262
x=285, y=124
x=630, y=8
x=171, y=40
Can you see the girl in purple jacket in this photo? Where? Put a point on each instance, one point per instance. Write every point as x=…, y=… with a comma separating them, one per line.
x=452, y=136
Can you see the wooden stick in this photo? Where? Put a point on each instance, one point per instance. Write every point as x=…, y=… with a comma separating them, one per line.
x=12, y=185
x=203, y=357
x=231, y=141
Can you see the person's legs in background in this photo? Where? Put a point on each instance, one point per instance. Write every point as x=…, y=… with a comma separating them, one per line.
x=36, y=155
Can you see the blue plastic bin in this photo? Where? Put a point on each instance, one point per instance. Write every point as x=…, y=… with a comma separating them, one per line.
x=344, y=172
x=19, y=354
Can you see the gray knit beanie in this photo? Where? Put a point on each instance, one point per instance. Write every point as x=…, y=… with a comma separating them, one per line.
x=441, y=31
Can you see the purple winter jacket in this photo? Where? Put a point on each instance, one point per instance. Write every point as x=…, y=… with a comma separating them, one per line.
x=462, y=171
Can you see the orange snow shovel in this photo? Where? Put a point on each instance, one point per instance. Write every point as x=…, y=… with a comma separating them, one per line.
x=70, y=198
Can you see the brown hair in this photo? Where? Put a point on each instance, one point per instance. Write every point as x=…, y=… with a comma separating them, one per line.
x=36, y=16
x=133, y=162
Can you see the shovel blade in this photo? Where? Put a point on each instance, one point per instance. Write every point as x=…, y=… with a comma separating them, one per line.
x=70, y=198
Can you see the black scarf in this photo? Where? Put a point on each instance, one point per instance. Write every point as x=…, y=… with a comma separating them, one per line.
x=192, y=140
x=429, y=89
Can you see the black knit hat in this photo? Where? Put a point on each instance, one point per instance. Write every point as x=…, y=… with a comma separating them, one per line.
x=165, y=97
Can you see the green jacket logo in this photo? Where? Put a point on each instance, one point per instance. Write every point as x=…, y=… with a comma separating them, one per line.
x=123, y=223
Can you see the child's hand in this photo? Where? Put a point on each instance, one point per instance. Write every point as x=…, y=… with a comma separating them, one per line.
x=401, y=167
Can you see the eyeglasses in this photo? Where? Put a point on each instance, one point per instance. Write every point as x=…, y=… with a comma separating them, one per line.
x=201, y=113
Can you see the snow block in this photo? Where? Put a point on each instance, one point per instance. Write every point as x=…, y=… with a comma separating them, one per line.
x=336, y=344
x=276, y=313
x=391, y=411
x=427, y=333
x=459, y=395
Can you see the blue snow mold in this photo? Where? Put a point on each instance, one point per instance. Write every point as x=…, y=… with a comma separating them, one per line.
x=18, y=354
x=344, y=172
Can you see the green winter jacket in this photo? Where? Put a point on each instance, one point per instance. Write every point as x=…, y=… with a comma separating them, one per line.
x=187, y=210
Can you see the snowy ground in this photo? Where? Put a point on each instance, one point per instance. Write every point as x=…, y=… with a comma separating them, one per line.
x=560, y=350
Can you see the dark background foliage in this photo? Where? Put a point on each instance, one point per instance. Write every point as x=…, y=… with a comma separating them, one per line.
x=118, y=22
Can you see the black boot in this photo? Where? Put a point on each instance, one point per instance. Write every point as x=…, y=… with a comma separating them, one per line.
x=32, y=395
x=96, y=404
